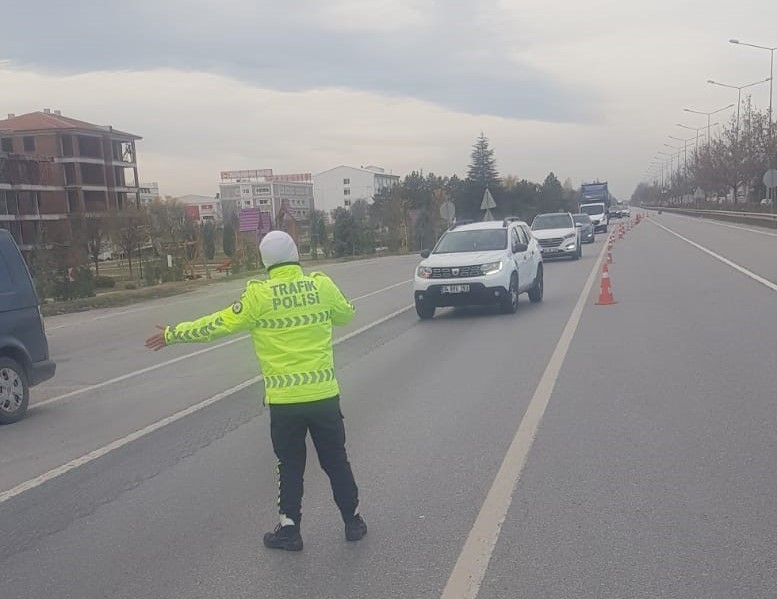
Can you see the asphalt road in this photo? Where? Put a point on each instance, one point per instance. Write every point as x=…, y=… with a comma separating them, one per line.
x=651, y=473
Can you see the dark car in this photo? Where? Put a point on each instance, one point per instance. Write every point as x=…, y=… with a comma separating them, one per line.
x=587, y=233
x=24, y=349
x=615, y=211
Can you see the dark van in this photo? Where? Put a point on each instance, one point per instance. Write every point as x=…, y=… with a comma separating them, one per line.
x=24, y=350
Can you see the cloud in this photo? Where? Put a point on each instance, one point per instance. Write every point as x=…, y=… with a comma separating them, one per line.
x=449, y=53
x=587, y=90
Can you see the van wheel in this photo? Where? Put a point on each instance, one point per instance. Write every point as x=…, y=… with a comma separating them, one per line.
x=14, y=391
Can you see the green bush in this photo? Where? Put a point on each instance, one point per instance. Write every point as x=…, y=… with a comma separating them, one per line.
x=101, y=282
x=82, y=285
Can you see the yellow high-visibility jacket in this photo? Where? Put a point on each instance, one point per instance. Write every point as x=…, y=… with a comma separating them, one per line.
x=290, y=317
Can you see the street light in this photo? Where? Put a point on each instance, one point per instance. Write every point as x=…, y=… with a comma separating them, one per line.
x=771, y=95
x=685, y=150
x=696, y=129
x=708, y=115
x=739, y=89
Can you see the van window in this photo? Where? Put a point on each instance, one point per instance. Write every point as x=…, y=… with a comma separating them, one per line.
x=5, y=276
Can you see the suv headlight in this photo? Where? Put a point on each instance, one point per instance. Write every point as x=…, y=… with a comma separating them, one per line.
x=491, y=268
x=424, y=272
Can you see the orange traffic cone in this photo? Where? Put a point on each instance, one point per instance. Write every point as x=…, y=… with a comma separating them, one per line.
x=605, y=294
x=609, y=255
x=621, y=233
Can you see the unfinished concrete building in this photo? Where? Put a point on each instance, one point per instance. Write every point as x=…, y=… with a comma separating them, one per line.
x=53, y=168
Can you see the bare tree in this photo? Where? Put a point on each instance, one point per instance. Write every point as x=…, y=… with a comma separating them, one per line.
x=129, y=230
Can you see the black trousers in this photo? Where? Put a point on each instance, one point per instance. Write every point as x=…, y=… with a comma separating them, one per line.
x=289, y=426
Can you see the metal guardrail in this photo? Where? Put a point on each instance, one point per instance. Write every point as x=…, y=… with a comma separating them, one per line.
x=761, y=218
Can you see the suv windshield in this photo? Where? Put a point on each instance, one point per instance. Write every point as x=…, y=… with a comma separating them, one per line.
x=582, y=219
x=552, y=221
x=483, y=240
x=593, y=209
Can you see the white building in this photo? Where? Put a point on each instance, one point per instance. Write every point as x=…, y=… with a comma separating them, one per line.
x=267, y=191
x=343, y=185
x=149, y=192
x=202, y=208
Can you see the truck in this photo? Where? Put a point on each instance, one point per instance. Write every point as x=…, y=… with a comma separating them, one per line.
x=595, y=201
x=597, y=191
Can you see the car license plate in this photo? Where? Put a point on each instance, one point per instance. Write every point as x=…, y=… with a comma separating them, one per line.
x=455, y=288
x=549, y=250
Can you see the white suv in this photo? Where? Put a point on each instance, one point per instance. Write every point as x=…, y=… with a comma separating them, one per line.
x=557, y=235
x=477, y=264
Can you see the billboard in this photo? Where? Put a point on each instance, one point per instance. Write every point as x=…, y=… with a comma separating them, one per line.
x=192, y=211
x=249, y=174
x=252, y=219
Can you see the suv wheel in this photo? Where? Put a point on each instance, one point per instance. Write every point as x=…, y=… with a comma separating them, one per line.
x=509, y=303
x=537, y=290
x=14, y=391
x=425, y=310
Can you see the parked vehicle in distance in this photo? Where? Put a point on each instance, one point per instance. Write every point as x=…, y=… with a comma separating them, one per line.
x=598, y=213
x=586, y=225
x=482, y=263
x=24, y=349
x=557, y=235
x=614, y=211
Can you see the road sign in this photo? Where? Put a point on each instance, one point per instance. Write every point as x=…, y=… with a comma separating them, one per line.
x=488, y=201
x=698, y=194
x=770, y=178
x=448, y=211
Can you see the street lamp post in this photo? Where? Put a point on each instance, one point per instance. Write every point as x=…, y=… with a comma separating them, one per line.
x=696, y=129
x=685, y=150
x=708, y=115
x=739, y=89
x=771, y=95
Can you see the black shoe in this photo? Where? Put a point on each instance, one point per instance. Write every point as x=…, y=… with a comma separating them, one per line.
x=355, y=528
x=284, y=537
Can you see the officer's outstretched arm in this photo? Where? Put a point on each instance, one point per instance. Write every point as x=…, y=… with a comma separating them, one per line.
x=240, y=316
x=342, y=310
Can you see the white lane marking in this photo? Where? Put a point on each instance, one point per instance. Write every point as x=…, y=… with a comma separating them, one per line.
x=193, y=354
x=472, y=564
x=719, y=224
x=147, y=430
x=724, y=260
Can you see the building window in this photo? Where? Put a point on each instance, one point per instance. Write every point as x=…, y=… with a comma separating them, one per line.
x=246, y=191
x=7, y=145
x=346, y=192
x=346, y=181
x=29, y=144
x=347, y=203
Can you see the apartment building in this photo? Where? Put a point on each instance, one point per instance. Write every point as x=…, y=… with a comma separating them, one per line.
x=53, y=167
x=286, y=197
x=341, y=186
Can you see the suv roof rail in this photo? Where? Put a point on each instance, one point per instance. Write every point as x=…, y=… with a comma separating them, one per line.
x=511, y=219
x=458, y=223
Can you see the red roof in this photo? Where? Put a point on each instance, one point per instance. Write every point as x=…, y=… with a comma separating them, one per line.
x=42, y=121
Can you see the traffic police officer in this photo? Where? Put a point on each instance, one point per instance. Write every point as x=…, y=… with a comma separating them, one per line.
x=290, y=316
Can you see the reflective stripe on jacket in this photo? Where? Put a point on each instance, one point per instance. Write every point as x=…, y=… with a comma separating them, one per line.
x=290, y=317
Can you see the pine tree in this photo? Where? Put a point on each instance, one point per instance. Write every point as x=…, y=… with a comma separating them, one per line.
x=482, y=169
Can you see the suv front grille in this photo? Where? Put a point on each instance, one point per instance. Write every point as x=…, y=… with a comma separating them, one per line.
x=549, y=243
x=456, y=272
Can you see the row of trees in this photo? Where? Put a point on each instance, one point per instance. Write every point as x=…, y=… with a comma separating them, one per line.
x=729, y=168
x=407, y=217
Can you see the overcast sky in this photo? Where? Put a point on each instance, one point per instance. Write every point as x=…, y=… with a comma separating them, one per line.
x=587, y=89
